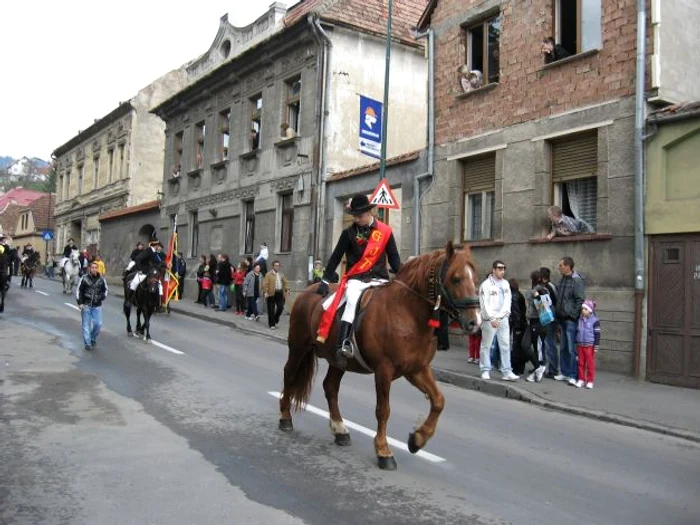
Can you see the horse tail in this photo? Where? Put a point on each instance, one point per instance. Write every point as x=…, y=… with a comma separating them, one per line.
x=299, y=387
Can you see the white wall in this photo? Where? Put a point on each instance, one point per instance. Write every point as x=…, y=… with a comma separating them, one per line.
x=357, y=68
x=675, y=67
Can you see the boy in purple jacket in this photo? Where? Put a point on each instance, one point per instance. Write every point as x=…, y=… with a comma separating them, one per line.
x=587, y=342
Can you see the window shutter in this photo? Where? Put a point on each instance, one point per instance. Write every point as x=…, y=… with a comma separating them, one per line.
x=480, y=174
x=575, y=158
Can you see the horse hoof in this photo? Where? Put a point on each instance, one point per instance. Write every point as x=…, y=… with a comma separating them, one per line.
x=343, y=440
x=386, y=463
x=286, y=425
x=412, y=446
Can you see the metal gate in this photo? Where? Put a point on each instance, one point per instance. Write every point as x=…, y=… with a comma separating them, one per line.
x=673, y=348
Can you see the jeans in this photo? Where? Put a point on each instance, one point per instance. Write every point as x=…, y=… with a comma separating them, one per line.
x=568, y=349
x=502, y=333
x=223, y=297
x=550, y=349
x=252, y=307
x=92, y=322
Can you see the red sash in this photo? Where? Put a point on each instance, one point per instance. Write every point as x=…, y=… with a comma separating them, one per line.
x=375, y=248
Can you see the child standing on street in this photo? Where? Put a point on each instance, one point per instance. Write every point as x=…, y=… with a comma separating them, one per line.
x=587, y=342
x=207, y=284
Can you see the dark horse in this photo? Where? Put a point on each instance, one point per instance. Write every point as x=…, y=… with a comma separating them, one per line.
x=29, y=269
x=146, y=299
x=394, y=338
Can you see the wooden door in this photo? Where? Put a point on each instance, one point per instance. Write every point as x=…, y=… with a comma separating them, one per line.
x=673, y=347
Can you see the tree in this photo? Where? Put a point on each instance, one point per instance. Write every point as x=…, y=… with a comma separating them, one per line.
x=49, y=184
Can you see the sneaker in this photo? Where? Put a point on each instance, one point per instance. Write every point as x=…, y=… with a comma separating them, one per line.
x=572, y=381
x=510, y=376
x=88, y=347
x=248, y=317
x=560, y=377
x=539, y=372
x=589, y=386
x=93, y=343
x=531, y=378
x=273, y=327
x=485, y=375
x=256, y=317
x=578, y=384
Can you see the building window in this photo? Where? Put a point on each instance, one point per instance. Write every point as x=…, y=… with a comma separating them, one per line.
x=194, y=233
x=23, y=221
x=81, y=172
x=199, y=135
x=383, y=215
x=66, y=188
x=249, y=233
x=120, y=171
x=177, y=159
x=95, y=172
x=224, y=133
x=482, y=49
x=575, y=178
x=110, y=155
x=577, y=25
x=256, y=104
x=60, y=189
x=294, y=104
x=479, y=182
x=287, y=229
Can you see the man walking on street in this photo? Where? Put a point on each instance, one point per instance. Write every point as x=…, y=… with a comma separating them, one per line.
x=275, y=289
x=90, y=293
x=572, y=293
x=495, y=302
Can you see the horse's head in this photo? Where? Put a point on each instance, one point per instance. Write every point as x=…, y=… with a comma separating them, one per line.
x=75, y=256
x=151, y=282
x=459, y=289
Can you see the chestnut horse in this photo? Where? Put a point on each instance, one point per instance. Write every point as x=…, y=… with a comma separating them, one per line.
x=394, y=338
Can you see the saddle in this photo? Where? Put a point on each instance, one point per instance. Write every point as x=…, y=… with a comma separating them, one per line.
x=360, y=309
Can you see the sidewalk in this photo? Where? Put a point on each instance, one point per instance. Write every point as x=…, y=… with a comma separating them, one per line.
x=616, y=398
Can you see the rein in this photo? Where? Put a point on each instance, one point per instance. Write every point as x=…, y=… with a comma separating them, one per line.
x=440, y=298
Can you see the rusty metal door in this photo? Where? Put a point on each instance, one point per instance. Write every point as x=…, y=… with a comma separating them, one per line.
x=673, y=348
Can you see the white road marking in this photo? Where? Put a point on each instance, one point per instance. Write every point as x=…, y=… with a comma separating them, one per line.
x=40, y=292
x=166, y=347
x=371, y=433
x=159, y=345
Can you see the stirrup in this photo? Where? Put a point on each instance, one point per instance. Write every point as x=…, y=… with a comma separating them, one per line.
x=347, y=348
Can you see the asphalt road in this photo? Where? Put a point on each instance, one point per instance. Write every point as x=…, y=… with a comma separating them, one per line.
x=184, y=431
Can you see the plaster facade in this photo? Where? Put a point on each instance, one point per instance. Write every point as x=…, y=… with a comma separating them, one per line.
x=115, y=163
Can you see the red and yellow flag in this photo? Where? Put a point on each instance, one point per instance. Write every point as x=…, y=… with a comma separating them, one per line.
x=171, y=281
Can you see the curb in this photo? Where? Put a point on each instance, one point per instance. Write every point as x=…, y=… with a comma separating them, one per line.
x=510, y=391
x=493, y=387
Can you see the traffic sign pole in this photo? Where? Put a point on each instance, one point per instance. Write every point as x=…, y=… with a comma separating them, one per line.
x=385, y=108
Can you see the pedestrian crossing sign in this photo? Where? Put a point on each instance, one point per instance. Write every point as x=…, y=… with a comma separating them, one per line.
x=383, y=197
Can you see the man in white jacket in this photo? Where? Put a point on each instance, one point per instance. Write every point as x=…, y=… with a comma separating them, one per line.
x=495, y=298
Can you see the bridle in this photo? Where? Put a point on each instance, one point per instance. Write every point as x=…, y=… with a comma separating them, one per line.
x=439, y=296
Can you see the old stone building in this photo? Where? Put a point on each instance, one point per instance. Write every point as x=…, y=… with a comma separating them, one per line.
x=115, y=163
x=234, y=177
x=526, y=131
x=33, y=220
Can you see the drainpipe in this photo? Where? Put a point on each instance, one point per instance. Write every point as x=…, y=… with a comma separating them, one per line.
x=639, y=269
x=320, y=211
x=431, y=140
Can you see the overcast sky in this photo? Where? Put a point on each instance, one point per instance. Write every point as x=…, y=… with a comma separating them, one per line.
x=66, y=63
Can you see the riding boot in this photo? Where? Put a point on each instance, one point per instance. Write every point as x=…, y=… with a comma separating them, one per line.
x=342, y=349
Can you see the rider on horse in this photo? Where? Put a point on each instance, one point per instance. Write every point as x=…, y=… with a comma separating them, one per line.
x=67, y=251
x=367, y=245
x=147, y=259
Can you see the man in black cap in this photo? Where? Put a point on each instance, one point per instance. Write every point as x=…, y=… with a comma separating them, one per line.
x=366, y=245
x=148, y=259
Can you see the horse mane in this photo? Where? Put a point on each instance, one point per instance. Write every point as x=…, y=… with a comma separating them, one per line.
x=416, y=271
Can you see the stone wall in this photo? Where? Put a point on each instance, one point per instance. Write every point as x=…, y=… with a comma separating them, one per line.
x=120, y=235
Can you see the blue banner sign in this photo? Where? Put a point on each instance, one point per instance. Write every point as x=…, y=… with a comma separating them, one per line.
x=370, y=127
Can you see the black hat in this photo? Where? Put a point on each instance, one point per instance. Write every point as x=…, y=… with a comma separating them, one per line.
x=359, y=205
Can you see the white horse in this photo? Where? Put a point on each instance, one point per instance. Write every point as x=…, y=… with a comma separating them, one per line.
x=71, y=269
